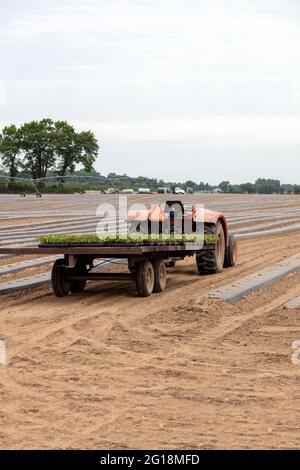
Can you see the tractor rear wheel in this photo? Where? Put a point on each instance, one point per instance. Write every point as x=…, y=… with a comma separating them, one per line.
x=145, y=278
x=211, y=261
x=59, y=279
x=160, y=275
x=231, y=253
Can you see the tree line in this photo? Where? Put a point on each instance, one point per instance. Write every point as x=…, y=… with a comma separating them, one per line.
x=38, y=147
x=47, y=148
x=261, y=186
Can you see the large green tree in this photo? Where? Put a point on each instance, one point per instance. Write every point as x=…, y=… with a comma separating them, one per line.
x=10, y=149
x=37, y=140
x=74, y=148
x=48, y=145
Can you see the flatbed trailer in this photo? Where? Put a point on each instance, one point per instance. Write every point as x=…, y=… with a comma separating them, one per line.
x=147, y=263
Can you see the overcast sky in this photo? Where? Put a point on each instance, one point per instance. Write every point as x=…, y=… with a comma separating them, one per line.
x=180, y=89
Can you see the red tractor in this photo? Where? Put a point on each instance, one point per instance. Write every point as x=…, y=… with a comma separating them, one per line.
x=172, y=217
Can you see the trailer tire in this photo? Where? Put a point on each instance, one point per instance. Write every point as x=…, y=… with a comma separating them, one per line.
x=145, y=278
x=80, y=269
x=77, y=287
x=60, y=285
x=231, y=253
x=132, y=265
x=160, y=276
x=211, y=261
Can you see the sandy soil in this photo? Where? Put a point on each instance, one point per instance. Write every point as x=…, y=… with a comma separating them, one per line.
x=106, y=369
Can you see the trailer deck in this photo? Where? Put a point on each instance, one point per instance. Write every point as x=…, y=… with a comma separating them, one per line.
x=147, y=263
x=102, y=251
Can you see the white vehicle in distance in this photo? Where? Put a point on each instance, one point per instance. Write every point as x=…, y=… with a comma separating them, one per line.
x=179, y=191
x=127, y=191
x=144, y=191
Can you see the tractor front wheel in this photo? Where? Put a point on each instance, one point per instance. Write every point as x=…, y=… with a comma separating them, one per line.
x=231, y=253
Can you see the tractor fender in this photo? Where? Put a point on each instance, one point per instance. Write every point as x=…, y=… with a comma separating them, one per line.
x=212, y=217
x=156, y=214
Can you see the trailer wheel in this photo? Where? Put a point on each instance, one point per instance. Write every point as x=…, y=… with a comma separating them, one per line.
x=231, y=253
x=81, y=270
x=132, y=265
x=212, y=261
x=77, y=287
x=145, y=278
x=60, y=284
x=160, y=276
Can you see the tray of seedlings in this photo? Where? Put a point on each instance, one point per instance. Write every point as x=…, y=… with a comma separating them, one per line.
x=93, y=241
